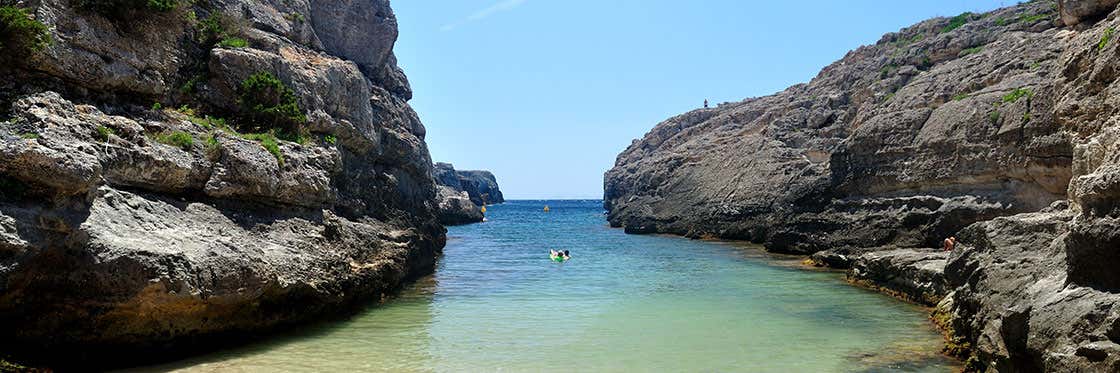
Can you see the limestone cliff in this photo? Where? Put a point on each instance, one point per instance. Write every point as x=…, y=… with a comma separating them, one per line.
x=1000, y=128
x=171, y=171
x=463, y=193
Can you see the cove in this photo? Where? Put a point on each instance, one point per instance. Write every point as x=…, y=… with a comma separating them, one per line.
x=622, y=303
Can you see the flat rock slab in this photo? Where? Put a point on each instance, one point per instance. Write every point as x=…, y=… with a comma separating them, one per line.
x=914, y=274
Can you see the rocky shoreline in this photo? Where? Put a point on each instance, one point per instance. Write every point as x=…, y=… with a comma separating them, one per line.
x=997, y=128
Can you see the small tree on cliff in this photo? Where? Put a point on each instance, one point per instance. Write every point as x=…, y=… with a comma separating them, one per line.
x=267, y=105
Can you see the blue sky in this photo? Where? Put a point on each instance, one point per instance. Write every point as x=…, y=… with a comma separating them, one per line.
x=546, y=93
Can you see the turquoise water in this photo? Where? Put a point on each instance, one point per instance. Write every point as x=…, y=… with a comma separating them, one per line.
x=622, y=303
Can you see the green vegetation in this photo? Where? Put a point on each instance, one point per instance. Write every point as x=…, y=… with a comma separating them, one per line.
x=219, y=27
x=190, y=85
x=972, y=50
x=270, y=106
x=176, y=138
x=1035, y=65
x=1002, y=21
x=330, y=139
x=212, y=145
x=20, y=35
x=1032, y=18
x=1027, y=117
x=157, y=106
x=957, y=22
x=993, y=117
x=295, y=17
x=887, y=70
x=1105, y=38
x=269, y=142
x=960, y=96
x=29, y=136
x=104, y=132
x=209, y=122
x=119, y=9
x=888, y=97
x=233, y=43
x=1017, y=94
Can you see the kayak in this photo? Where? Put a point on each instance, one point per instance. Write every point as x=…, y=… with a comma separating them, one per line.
x=558, y=259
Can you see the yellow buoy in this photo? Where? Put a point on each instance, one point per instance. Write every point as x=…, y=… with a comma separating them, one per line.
x=484, y=209
x=545, y=208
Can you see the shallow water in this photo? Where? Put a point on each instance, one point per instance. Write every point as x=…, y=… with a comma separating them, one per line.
x=623, y=303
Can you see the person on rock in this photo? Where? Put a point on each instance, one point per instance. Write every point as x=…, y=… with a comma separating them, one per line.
x=950, y=243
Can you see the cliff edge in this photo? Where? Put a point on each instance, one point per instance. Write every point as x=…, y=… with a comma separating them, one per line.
x=175, y=171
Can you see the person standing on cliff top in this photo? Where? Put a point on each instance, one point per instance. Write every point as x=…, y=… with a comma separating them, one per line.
x=705, y=103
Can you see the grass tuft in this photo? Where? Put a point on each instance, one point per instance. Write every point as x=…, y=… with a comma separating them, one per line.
x=1105, y=38
x=957, y=22
x=178, y=139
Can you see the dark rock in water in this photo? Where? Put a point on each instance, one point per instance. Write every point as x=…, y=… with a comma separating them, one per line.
x=1002, y=129
x=128, y=228
x=479, y=188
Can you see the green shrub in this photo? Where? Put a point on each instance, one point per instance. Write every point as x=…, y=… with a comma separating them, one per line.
x=993, y=117
x=20, y=35
x=960, y=96
x=957, y=22
x=1032, y=18
x=330, y=139
x=104, y=132
x=1105, y=38
x=157, y=106
x=209, y=122
x=1017, y=94
x=29, y=136
x=233, y=43
x=190, y=85
x=269, y=142
x=177, y=138
x=972, y=50
x=212, y=145
x=218, y=27
x=270, y=106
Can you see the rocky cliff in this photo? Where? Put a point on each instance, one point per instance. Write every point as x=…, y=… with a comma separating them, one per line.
x=481, y=186
x=172, y=171
x=463, y=193
x=1000, y=128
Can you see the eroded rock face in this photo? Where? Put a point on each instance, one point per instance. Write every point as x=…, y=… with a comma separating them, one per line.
x=115, y=239
x=899, y=143
x=1003, y=132
x=456, y=207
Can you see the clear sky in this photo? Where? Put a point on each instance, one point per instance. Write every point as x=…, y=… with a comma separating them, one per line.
x=546, y=93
